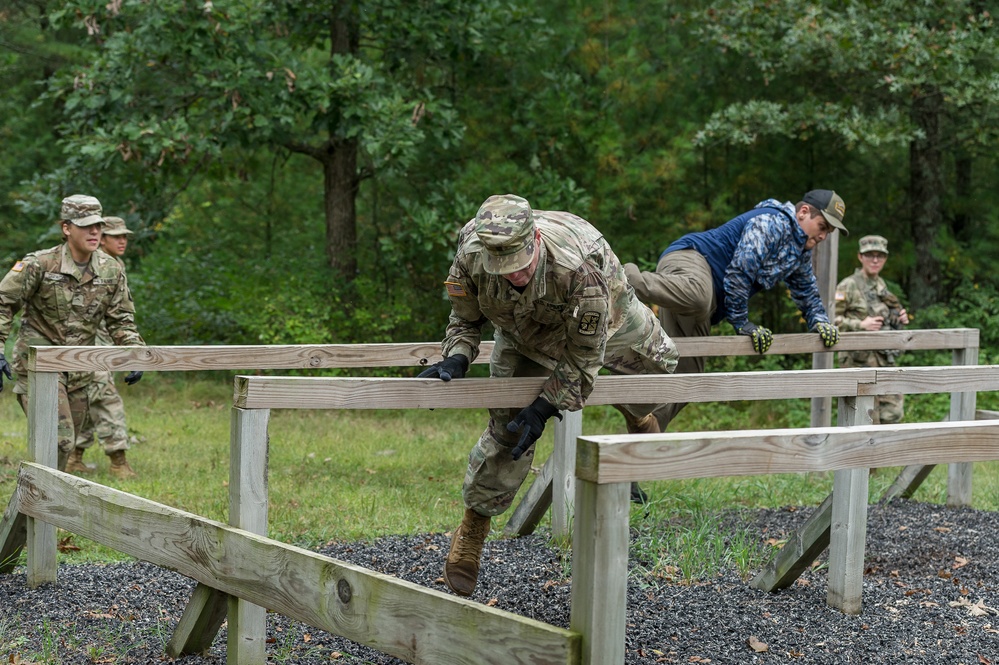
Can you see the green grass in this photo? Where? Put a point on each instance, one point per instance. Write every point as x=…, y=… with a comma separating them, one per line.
x=353, y=475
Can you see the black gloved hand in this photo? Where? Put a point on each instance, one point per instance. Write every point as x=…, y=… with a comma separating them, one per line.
x=4, y=369
x=762, y=337
x=452, y=367
x=828, y=332
x=532, y=419
x=133, y=377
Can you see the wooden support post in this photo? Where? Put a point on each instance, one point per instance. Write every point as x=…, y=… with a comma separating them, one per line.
x=200, y=622
x=567, y=431
x=247, y=628
x=962, y=407
x=13, y=532
x=848, y=527
x=798, y=553
x=600, y=571
x=824, y=259
x=532, y=508
x=43, y=448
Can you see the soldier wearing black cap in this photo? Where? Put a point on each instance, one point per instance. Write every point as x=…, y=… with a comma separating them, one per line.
x=708, y=277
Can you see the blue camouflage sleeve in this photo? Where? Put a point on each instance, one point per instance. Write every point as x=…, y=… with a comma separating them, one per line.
x=804, y=290
x=745, y=266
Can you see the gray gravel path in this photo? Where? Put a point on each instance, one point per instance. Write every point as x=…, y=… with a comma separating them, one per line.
x=930, y=589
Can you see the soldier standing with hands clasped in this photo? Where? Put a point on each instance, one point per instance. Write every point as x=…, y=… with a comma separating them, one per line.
x=863, y=302
x=64, y=294
x=557, y=297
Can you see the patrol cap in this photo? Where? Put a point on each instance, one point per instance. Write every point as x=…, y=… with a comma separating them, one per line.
x=873, y=244
x=81, y=210
x=505, y=226
x=115, y=226
x=830, y=204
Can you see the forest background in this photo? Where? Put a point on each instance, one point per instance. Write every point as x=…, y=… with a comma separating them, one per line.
x=296, y=171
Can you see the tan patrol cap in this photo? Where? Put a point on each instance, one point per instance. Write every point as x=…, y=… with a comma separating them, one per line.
x=873, y=244
x=81, y=210
x=115, y=226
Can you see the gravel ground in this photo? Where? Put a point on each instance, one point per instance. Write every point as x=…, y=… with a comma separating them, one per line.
x=931, y=583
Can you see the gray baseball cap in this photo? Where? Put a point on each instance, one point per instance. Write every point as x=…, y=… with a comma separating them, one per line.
x=81, y=210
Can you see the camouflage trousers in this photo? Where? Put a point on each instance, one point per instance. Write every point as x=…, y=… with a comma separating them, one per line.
x=76, y=405
x=493, y=476
x=104, y=416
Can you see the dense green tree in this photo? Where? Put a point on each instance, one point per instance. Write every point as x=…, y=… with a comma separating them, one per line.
x=353, y=85
x=862, y=75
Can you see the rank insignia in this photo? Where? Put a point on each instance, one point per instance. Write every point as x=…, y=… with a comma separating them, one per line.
x=455, y=289
x=589, y=323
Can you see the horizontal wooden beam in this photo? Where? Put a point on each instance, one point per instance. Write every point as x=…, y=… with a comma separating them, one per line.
x=631, y=457
x=405, y=620
x=325, y=356
x=284, y=392
x=922, y=380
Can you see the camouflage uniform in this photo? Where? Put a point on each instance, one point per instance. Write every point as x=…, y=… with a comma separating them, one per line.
x=576, y=315
x=105, y=415
x=858, y=297
x=708, y=277
x=62, y=304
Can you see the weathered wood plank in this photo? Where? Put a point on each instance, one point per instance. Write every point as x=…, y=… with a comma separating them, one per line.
x=248, y=498
x=564, y=480
x=798, y=553
x=13, y=535
x=600, y=571
x=200, y=623
x=287, y=392
x=410, y=622
x=317, y=356
x=43, y=447
x=848, y=526
x=620, y=457
x=962, y=407
x=907, y=482
x=532, y=508
x=923, y=380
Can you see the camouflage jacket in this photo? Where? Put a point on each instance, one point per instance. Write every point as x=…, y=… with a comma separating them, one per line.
x=577, y=305
x=858, y=297
x=62, y=307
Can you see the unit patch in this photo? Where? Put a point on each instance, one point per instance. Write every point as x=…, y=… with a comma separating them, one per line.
x=455, y=289
x=589, y=323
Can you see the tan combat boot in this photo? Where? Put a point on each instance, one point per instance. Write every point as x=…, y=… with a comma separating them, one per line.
x=461, y=571
x=120, y=467
x=75, y=463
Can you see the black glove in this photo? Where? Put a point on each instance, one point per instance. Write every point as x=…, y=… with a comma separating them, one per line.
x=133, y=377
x=532, y=419
x=452, y=367
x=762, y=337
x=4, y=369
x=828, y=332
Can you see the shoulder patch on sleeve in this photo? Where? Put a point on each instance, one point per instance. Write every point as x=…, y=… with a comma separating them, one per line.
x=18, y=267
x=840, y=295
x=589, y=323
x=455, y=289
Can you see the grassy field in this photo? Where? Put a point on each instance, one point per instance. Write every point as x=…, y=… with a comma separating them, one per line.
x=359, y=475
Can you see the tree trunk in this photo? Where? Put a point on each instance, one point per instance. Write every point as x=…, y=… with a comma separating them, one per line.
x=339, y=201
x=340, y=181
x=926, y=186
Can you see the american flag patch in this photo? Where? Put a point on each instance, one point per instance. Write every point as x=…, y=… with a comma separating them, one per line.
x=455, y=289
x=18, y=267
